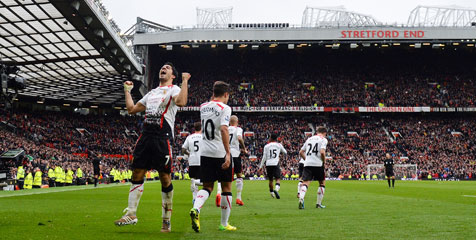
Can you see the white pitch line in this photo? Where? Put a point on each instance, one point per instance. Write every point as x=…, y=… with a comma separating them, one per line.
x=63, y=189
x=469, y=196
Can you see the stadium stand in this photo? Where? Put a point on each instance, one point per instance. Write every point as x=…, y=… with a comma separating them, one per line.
x=442, y=146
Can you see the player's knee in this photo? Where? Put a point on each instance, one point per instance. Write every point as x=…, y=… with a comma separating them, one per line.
x=134, y=181
x=208, y=190
x=168, y=188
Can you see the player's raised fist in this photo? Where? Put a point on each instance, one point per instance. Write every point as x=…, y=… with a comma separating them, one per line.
x=186, y=76
x=128, y=86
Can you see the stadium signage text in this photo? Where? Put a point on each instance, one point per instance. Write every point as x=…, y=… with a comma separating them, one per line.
x=372, y=34
x=340, y=109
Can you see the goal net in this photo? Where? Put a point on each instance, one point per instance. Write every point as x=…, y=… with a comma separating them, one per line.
x=401, y=171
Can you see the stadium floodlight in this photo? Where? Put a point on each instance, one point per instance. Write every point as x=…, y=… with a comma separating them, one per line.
x=354, y=45
x=229, y=46
x=335, y=17
x=214, y=17
x=88, y=20
x=366, y=44
x=254, y=47
x=195, y=45
x=169, y=47
x=335, y=46
x=107, y=42
x=290, y=46
x=99, y=33
x=76, y=5
x=436, y=16
x=417, y=45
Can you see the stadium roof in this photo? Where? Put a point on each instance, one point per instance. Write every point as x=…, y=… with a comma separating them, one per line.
x=67, y=50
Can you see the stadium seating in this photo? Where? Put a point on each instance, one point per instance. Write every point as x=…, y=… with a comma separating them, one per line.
x=441, y=145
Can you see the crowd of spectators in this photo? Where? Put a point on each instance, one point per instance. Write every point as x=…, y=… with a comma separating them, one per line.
x=441, y=146
x=322, y=79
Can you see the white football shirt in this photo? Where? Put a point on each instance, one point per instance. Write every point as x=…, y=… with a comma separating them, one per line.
x=312, y=148
x=271, y=154
x=160, y=105
x=213, y=114
x=192, y=144
x=234, y=143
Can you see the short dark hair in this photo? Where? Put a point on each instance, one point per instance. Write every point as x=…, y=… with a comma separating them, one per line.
x=197, y=126
x=274, y=136
x=321, y=129
x=174, y=70
x=220, y=88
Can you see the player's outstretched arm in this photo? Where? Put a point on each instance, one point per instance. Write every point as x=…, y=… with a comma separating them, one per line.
x=131, y=108
x=181, y=99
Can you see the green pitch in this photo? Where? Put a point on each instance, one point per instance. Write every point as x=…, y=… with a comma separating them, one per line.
x=355, y=210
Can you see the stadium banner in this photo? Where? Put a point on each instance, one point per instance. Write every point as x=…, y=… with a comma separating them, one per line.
x=352, y=134
x=443, y=34
x=184, y=133
x=341, y=109
x=249, y=134
x=394, y=109
x=85, y=155
x=263, y=109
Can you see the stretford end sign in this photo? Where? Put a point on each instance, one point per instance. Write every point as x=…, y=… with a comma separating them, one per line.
x=377, y=34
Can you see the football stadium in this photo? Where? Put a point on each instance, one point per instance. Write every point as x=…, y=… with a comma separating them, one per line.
x=340, y=127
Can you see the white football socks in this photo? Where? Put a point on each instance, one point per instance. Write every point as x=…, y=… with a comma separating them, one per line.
x=239, y=187
x=198, y=183
x=202, y=197
x=218, y=188
x=320, y=194
x=135, y=192
x=194, y=188
x=277, y=187
x=225, y=205
x=167, y=198
x=302, y=193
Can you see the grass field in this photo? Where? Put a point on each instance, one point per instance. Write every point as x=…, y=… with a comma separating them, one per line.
x=355, y=210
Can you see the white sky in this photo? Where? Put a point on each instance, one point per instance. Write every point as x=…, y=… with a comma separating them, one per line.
x=183, y=12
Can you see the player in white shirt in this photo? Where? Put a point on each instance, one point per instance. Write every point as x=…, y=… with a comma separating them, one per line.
x=314, y=154
x=191, y=148
x=237, y=143
x=215, y=159
x=270, y=158
x=152, y=150
x=300, y=170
